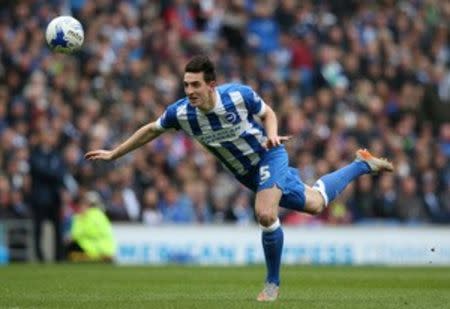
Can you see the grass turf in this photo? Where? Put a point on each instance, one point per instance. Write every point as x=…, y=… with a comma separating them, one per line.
x=108, y=286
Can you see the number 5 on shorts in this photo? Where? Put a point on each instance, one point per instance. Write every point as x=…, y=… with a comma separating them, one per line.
x=264, y=173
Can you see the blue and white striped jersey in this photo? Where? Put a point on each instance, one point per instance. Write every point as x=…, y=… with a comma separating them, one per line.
x=229, y=131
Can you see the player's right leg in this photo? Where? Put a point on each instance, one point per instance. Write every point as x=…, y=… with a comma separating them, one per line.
x=266, y=210
x=270, y=182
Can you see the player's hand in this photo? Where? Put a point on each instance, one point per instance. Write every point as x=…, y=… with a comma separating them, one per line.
x=100, y=154
x=275, y=141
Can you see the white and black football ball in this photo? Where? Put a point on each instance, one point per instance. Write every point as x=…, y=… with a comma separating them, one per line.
x=64, y=34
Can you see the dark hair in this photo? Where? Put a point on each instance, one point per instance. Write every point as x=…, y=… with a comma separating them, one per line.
x=199, y=64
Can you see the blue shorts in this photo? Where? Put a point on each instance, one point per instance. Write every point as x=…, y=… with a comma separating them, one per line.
x=273, y=170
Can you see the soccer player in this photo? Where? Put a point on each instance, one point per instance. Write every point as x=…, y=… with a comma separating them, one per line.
x=223, y=119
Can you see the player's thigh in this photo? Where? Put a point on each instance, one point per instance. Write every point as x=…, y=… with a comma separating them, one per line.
x=273, y=168
x=267, y=200
x=293, y=190
x=314, y=201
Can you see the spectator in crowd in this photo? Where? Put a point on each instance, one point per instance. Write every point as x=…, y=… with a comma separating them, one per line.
x=437, y=94
x=197, y=193
x=363, y=202
x=409, y=205
x=47, y=170
x=5, y=198
x=116, y=209
x=176, y=207
x=242, y=208
x=151, y=215
x=386, y=198
x=91, y=237
x=434, y=206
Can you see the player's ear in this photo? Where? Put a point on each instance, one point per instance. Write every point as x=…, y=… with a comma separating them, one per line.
x=212, y=84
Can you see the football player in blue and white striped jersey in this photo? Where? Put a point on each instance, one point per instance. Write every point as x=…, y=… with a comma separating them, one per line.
x=236, y=125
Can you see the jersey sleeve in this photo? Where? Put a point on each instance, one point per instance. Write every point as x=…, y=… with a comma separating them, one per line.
x=168, y=119
x=253, y=102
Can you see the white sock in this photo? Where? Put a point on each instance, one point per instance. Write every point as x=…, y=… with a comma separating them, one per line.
x=320, y=186
x=271, y=228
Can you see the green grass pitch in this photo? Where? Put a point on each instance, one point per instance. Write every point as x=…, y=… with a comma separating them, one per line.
x=109, y=286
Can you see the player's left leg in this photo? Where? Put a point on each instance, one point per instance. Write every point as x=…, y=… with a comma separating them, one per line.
x=313, y=200
x=329, y=186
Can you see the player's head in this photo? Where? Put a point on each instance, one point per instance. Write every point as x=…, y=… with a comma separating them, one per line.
x=199, y=81
x=47, y=138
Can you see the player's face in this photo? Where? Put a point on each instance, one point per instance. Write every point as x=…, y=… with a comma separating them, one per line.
x=198, y=91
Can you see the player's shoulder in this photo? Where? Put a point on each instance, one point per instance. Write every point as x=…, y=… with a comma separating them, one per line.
x=234, y=87
x=178, y=104
x=169, y=119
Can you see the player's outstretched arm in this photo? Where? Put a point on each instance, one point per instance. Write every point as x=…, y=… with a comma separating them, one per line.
x=142, y=136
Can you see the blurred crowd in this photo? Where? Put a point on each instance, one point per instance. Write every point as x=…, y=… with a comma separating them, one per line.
x=340, y=74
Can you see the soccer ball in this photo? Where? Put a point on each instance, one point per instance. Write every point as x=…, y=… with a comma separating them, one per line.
x=64, y=34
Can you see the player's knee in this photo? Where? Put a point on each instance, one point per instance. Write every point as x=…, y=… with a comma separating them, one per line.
x=266, y=219
x=315, y=203
x=316, y=208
